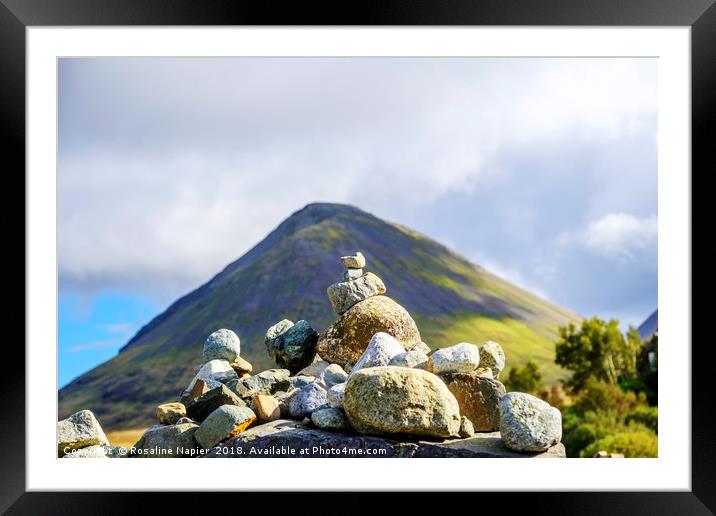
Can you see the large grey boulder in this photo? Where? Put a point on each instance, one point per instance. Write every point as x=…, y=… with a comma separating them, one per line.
x=460, y=358
x=201, y=407
x=398, y=400
x=529, y=424
x=223, y=344
x=308, y=399
x=167, y=441
x=285, y=438
x=332, y=419
x=226, y=421
x=291, y=346
x=380, y=351
x=80, y=430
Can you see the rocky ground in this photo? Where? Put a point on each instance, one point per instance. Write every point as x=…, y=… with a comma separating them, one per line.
x=367, y=386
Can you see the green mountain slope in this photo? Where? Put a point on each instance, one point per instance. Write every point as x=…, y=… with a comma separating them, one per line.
x=285, y=276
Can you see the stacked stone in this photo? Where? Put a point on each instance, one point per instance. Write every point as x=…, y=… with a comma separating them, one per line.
x=363, y=310
x=209, y=411
x=368, y=373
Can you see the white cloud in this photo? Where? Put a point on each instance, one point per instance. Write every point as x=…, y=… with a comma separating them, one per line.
x=619, y=235
x=170, y=169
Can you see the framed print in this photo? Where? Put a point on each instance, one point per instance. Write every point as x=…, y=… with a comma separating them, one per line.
x=442, y=238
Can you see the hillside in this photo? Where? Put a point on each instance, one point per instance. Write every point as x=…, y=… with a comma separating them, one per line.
x=285, y=276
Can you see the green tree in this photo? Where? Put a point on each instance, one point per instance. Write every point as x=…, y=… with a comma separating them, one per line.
x=632, y=444
x=598, y=350
x=524, y=379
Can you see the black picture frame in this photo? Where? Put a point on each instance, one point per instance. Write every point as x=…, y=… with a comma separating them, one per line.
x=17, y=15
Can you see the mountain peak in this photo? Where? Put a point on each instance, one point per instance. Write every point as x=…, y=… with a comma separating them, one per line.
x=316, y=212
x=285, y=276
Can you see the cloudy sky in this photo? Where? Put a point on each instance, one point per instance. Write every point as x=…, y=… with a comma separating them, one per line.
x=542, y=170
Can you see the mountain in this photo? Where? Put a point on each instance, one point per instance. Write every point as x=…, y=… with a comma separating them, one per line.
x=650, y=326
x=285, y=276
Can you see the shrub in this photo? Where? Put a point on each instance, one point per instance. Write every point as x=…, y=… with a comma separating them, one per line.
x=601, y=396
x=598, y=350
x=579, y=438
x=642, y=443
x=524, y=379
x=647, y=416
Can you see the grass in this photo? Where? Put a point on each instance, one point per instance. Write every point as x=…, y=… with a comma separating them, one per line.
x=520, y=342
x=126, y=438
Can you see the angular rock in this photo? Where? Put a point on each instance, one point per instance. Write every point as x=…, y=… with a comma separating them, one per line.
x=299, y=382
x=293, y=346
x=413, y=358
x=266, y=408
x=283, y=438
x=315, y=369
x=492, y=356
x=466, y=428
x=169, y=413
x=352, y=274
x=333, y=375
x=460, y=358
x=266, y=382
x=484, y=372
x=398, y=400
x=478, y=398
x=355, y=261
x=307, y=400
x=424, y=348
x=80, y=430
x=201, y=407
x=336, y=394
x=200, y=387
x=223, y=344
x=225, y=422
x=331, y=419
x=345, y=294
x=284, y=401
x=345, y=340
x=380, y=351
x=214, y=371
x=529, y=424
x=277, y=329
x=167, y=441
x=241, y=366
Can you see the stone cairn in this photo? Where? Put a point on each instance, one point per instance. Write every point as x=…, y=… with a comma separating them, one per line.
x=369, y=373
